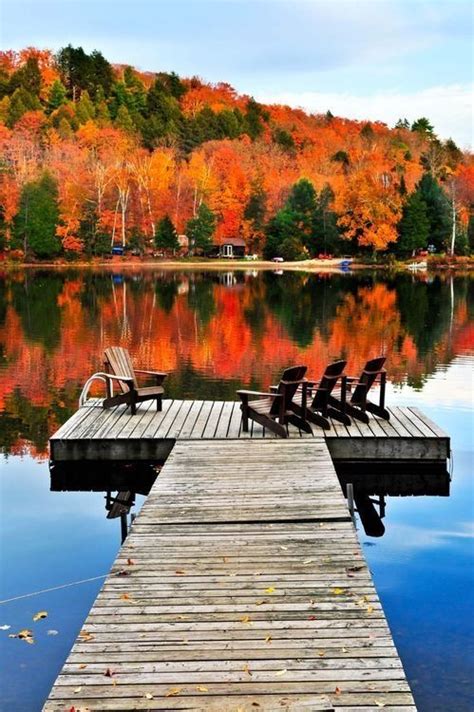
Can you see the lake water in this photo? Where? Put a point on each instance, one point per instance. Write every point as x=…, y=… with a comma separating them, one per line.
x=215, y=333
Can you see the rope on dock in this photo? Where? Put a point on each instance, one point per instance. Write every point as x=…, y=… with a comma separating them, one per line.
x=53, y=588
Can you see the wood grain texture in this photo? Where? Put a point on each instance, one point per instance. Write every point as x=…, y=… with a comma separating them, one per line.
x=241, y=586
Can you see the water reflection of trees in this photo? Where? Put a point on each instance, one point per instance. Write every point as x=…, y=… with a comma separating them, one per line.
x=212, y=336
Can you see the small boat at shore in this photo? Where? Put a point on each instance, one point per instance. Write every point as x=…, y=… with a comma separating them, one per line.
x=415, y=266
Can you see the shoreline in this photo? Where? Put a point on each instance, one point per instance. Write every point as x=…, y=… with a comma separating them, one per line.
x=315, y=265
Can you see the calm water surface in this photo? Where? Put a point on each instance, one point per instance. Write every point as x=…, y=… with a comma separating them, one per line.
x=215, y=333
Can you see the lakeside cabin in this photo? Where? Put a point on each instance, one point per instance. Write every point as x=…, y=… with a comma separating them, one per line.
x=232, y=247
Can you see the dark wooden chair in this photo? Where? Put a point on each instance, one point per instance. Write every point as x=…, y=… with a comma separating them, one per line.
x=321, y=403
x=119, y=369
x=354, y=400
x=273, y=410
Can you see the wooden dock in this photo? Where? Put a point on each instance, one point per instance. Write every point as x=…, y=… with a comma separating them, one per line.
x=242, y=585
x=93, y=433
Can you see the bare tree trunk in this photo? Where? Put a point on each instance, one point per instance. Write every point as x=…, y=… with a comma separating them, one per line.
x=178, y=195
x=115, y=222
x=453, y=233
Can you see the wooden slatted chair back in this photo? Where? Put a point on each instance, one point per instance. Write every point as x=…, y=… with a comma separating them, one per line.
x=367, y=378
x=290, y=380
x=329, y=380
x=118, y=360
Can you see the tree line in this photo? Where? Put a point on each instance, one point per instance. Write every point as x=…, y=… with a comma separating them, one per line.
x=94, y=155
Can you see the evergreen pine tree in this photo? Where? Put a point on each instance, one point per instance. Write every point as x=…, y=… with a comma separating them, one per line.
x=200, y=229
x=85, y=110
x=36, y=221
x=414, y=226
x=326, y=234
x=4, y=109
x=21, y=101
x=56, y=96
x=124, y=120
x=166, y=237
x=438, y=211
x=65, y=129
x=27, y=77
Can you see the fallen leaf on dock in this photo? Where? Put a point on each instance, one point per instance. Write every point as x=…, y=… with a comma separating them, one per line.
x=108, y=673
x=311, y=618
x=82, y=667
x=268, y=639
x=307, y=561
x=354, y=569
x=270, y=589
x=247, y=670
x=338, y=591
x=281, y=672
x=379, y=703
x=260, y=603
x=77, y=689
x=321, y=653
x=201, y=688
x=370, y=609
x=85, y=636
x=149, y=696
x=337, y=691
x=246, y=619
x=284, y=548
x=123, y=573
x=180, y=572
x=130, y=562
x=173, y=692
x=40, y=615
x=126, y=597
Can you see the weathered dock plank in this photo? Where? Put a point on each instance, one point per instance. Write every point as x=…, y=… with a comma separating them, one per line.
x=95, y=434
x=241, y=586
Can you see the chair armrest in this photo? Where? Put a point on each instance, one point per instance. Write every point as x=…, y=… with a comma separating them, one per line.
x=151, y=373
x=158, y=375
x=292, y=383
x=114, y=377
x=258, y=393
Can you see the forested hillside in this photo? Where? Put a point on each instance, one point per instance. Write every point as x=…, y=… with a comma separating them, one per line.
x=94, y=154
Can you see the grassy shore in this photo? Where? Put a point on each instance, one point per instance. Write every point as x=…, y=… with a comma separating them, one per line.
x=226, y=265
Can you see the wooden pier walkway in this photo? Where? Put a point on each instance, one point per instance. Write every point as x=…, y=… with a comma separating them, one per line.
x=242, y=585
x=96, y=434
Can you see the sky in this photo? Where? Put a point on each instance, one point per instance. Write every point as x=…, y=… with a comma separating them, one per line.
x=363, y=59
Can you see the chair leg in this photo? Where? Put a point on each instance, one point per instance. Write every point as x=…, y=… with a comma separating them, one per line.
x=159, y=403
x=339, y=415
x=300, y=423
x=377, y=410
x=245, y=420
x=318, y=419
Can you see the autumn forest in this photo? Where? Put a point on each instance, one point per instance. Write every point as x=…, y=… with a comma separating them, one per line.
x=95, y=155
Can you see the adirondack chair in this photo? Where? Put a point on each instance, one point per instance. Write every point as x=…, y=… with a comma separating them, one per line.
x=273, y=410
x=358, y=404
x=119, y=369
x=321, y=402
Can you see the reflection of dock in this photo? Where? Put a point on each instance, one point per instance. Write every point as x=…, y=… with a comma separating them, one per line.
x=242, y=585
x=94, y=434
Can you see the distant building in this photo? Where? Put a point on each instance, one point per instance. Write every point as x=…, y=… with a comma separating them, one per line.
x=183, y=242
x=232, y=247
